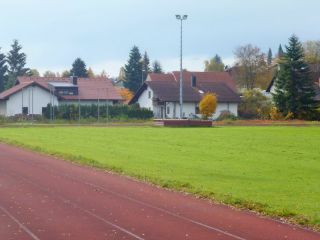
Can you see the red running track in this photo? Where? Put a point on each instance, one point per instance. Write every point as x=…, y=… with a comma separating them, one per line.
x=45, y=198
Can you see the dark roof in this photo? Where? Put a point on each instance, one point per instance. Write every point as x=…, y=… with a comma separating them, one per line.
x=166, y=86
x=315, y=75
x=89, y=88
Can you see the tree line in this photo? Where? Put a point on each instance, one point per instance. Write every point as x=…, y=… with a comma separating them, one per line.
x=137, y=69
x=13, y=65
x=294, y=95
x=254, y=69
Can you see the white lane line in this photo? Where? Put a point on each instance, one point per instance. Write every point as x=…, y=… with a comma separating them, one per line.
x=140, y=202
x=27, y=230
x=67, y=201
x=145, y=204
x=163, y=210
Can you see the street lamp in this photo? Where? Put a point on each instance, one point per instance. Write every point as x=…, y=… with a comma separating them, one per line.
x=181, y=18
x=142, y=70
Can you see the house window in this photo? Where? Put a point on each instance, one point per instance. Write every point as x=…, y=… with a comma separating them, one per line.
x=149, y=94
x=197, y=110
x=25, y=111
x=168, y=110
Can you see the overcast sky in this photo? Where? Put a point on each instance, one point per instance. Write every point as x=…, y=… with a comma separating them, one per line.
x=102, y=32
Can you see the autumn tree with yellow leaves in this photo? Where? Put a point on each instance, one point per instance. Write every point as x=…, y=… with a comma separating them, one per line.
x=208, y=105
x=126, y=94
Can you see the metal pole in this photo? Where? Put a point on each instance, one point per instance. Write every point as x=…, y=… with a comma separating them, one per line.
x=181, y=92
x=79, y=107
x=98, y=106
x=52, y=105
x=107, y=107
x=32, y=103
x=22, y=103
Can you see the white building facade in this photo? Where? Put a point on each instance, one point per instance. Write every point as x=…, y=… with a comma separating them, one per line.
x=161, y=95
x=32, y=95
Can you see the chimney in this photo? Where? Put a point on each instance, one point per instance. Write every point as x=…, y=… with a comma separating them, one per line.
x=193, y=81
x=74, y=80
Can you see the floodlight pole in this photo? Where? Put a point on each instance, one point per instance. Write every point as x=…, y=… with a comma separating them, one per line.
x=181, y=18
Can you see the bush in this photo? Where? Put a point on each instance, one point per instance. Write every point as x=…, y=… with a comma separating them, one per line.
x=226, y=115
x=275, y=114
x=255, y=105
x=71, y=112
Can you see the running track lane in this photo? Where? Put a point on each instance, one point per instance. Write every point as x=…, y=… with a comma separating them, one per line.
x=45, y=198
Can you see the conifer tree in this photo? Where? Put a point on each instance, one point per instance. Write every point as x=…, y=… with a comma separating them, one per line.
x=156, y=67
x=294, y=90
x=3, y=71
x=269, y=60
x=79, y=68
x=214, y=64
x=16, y=62
x=90, y=73
x=145, y=65
x=280, y=52
x=133, y=70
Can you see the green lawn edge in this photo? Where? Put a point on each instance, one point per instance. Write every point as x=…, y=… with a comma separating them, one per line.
x=285, y=216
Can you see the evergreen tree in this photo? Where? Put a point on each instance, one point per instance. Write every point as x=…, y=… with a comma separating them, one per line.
x=294, y=87
x=280, y=52
x=156, y=67
x=269, y=60
x=79, y=68
x=214, y=64
x=90, y=73
x=16, y=61
x=3, y=71
x=133, y=70
x=218, y=59
x=145, y=66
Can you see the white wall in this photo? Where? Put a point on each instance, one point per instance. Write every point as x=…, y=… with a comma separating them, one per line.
x=3, y=108
x=144, y=100
x=41, y=98
x=222, y=107
x=189, y=109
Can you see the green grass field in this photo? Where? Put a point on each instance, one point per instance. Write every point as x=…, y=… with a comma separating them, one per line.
x=274, y=170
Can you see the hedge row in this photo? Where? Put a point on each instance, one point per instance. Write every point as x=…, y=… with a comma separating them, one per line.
x=71, y=112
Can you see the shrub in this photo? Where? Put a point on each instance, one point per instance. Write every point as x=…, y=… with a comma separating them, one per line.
x=71, y=112
x=226, y=115
x=275, y=114
x=208, y=105
x=255, y=105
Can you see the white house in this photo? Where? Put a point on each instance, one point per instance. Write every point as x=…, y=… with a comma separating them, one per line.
x=314, y=74
x=160, y=93
x=32, y=94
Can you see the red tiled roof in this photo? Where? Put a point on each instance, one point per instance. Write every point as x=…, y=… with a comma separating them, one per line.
x=166, y=86
x=217, y=77
x=6, y=94
x=89, y=88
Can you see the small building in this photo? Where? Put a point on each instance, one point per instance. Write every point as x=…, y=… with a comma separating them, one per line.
x=32, y=94
x=314, y=74
x=160, y=93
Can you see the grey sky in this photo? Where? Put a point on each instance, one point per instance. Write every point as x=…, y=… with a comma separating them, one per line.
x=54, y=32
